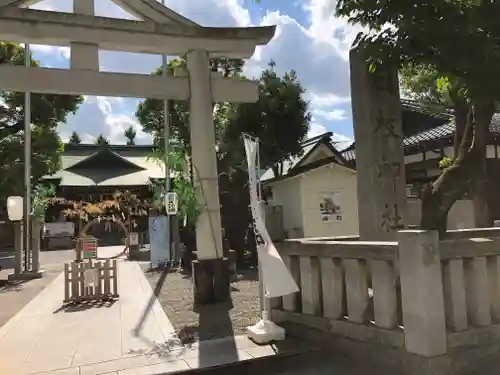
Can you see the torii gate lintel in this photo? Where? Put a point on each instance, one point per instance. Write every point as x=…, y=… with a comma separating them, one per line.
x=141, y=9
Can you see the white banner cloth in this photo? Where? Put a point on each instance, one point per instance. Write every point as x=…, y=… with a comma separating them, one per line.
x=277, y=279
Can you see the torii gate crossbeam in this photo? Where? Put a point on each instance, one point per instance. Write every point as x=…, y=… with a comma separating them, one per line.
x=88, y=82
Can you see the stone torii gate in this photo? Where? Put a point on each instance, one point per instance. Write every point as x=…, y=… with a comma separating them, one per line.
x=159, y=31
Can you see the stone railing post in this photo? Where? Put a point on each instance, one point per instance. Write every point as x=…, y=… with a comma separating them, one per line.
x=422, y=293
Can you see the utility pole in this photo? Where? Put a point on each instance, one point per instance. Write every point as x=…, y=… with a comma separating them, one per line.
x=27, y=164
x=166, y=133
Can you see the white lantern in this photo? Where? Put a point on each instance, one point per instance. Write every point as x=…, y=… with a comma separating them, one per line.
x=15, y=208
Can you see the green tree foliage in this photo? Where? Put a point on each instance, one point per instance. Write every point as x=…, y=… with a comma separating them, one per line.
x=130, y=134
x=41, y=199
x=180, y=182
x=280, y=119
x=47, y=111
x=75, y=139
x=457, y=41
x=101, y=140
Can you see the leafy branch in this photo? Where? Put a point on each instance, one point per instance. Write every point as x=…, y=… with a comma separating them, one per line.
x=41, y=200
x=180, y=182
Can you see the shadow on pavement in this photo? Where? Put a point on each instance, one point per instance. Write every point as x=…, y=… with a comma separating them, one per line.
x=7, y=286
x=215, y=318
x=156, y=291
x=83, y=306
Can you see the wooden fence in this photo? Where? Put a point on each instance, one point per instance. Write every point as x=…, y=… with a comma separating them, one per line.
x=90, y=281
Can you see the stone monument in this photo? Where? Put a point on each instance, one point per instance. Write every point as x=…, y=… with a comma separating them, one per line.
x=378, y=133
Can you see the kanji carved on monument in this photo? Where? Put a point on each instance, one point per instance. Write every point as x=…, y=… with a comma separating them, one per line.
x=389, y=168
x=386, y=124
x=391, y=219
x=383, y=79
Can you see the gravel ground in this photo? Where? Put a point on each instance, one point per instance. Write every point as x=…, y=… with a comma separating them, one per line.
x=174, y=292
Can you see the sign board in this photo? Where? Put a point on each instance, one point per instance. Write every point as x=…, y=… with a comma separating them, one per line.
x=133, y=239
x=90, y=277
x=330, y=207
x=172, y=203
x=59, y=229
x=89, y=247
x=160, y=251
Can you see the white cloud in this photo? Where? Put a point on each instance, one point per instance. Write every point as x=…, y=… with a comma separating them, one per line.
x=327, y=100
x=63, y=52
x=335, y=115
x=107, y=116
x=320, y=68
x=318, y=52
x=334, y=31
x=118, y=123
x=341, y=141
x=316, y=129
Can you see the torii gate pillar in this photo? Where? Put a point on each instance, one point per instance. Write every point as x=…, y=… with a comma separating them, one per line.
x=211, y=269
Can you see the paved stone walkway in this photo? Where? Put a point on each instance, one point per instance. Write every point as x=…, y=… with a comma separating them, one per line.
x=132, y=336
x=14, y=296
x=44, y=337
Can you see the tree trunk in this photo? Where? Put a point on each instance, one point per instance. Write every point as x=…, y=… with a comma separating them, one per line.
x=276, y=171
x=455, y=181
x=461, y=113
x=480, y=200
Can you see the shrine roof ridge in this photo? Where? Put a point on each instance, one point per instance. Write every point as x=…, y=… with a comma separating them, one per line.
x=112, y=147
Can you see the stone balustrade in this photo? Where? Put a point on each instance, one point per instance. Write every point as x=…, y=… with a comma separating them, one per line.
x=419, y=298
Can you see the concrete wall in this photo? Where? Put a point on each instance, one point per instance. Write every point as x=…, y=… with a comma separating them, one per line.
x=321, y=182
x=461, y=215
x=287, y=194
x=301, y=196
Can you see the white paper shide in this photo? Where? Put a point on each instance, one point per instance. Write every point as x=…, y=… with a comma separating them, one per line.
x=276, y=278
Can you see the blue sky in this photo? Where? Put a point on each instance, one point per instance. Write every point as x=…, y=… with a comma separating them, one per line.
x=308, y=39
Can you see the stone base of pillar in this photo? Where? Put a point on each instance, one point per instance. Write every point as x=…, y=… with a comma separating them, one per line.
x=25, y=276
x=211, y=281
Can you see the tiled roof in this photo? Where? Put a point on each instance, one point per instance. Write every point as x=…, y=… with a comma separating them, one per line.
x=307, y=146
x=413, y=106
x=288, y=164
x=137, y=169
x=440, y=132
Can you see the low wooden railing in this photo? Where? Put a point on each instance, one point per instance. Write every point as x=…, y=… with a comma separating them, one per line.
x=103, y=286
x=427, y=296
